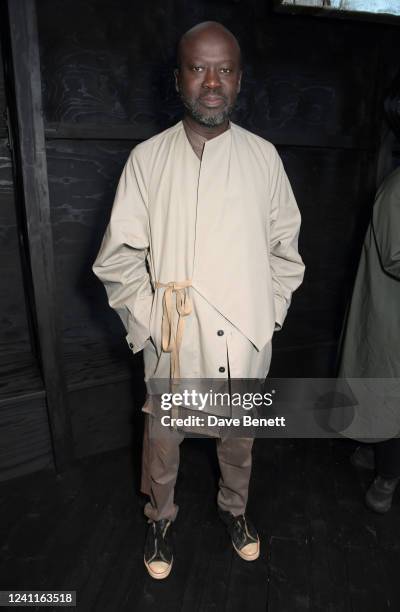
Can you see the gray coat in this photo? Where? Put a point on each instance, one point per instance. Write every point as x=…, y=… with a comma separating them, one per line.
x=370, y=358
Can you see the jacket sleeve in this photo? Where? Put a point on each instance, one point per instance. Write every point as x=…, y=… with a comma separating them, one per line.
x=386, y=224
x=121, y=260
x=287, y=267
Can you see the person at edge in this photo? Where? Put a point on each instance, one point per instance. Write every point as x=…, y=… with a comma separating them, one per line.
x=370, y=347
x=208, y=207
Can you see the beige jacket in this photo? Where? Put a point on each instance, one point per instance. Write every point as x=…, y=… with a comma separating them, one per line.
x=228, y=227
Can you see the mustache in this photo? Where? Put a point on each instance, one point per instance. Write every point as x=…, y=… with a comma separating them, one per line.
x=213, y=95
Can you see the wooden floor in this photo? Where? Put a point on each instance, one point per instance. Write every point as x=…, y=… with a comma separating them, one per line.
x=321, y=549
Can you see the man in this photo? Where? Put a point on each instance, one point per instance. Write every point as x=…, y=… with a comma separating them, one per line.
x=209, y=207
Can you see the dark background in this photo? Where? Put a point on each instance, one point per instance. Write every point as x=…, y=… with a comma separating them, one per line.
x=313, y=86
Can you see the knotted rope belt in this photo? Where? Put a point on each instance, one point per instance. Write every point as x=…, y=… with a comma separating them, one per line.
x=171, y=341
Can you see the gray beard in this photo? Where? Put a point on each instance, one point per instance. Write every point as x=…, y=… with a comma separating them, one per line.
x=207, y=120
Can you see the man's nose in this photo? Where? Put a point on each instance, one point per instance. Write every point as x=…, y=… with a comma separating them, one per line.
x=211, y=79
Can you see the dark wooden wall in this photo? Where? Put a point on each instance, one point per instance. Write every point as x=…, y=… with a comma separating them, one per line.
x=25, y=443
x=314, y=87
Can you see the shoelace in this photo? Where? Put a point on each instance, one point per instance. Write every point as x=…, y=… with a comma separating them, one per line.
x=239, y=523
x=159, y=530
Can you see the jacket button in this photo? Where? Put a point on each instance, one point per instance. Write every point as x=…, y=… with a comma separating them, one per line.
x=220, y=332
x=222, y=369
x=130, y=344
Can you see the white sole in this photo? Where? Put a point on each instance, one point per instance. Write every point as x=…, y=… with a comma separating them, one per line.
x=252, y=557
x=158, y=575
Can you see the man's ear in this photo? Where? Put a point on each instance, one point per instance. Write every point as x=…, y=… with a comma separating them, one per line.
x=176, y=75
x=239, y=82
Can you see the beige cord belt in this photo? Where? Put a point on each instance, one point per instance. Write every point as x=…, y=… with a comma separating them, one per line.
x=171, y=342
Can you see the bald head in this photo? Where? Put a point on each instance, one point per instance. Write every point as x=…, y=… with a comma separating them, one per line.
x=209, y=75
x=208, y=33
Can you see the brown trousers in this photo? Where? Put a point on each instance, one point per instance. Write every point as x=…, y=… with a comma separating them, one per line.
x=160, y=464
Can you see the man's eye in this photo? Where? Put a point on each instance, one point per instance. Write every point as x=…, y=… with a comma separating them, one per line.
x=197, y=68
x=226, y=70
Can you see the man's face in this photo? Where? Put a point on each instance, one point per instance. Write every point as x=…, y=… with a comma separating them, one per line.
x=208, y=80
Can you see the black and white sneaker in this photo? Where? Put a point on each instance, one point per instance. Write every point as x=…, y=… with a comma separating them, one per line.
x=158, y=550
x=244, y=536
x=380, y=494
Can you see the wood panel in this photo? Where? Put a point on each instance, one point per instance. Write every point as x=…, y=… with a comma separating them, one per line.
x=107, y=416
x=298, y=79
x=3, y=104
x=24, y=433
x=32, y=174
x=82, y=181
x=25, y=437
x=20, y=379
x=100, y=74
x=14, y=333
x=335, y=203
